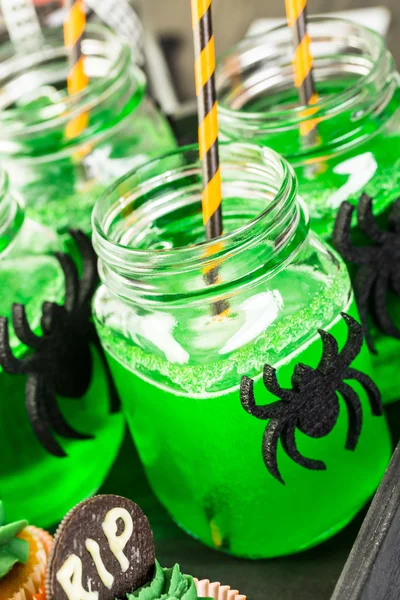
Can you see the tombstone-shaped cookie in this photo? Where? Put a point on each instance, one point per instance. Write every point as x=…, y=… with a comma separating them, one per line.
x=102, y=550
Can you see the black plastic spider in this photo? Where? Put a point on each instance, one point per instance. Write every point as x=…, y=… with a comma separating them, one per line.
x=379, y=263
x=61, y=361
x=312, y=405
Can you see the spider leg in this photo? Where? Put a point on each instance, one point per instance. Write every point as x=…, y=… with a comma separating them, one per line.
x=380, y=308
x=271, y=437
x=395, y=281
x=52, y=316
x=8, y=361
x=37, y=415
x=267, y=411
x=289, y=445
x=23, y=329
x=115, y=402
x=71, y=281
x=271, y=382
x=330, y=351
x=90, y=278
x=363, y=283
x=354, y=342
x=366, y=220
x=371, y=389
x=354, y=410
x=56, y=419
x=394, y=217
x=341, y=238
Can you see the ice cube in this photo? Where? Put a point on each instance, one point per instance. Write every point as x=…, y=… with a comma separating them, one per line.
x=260, y=311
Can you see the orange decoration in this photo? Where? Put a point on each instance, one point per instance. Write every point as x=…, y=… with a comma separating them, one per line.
x=28, y=579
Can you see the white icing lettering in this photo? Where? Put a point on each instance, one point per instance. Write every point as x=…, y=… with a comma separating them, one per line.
x=94, y=549
x=69, y=576
x=116, y=542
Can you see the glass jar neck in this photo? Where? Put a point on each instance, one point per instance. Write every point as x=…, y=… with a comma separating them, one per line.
x=35, y=108
x=11, y=215
x=149, y=235
x=355, y=78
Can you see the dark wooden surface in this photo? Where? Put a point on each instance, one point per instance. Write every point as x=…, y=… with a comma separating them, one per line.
x=372, y=570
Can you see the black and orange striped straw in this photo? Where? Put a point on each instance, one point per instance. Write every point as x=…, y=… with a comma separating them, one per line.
x=208, y=116
x=204, y=68
x=74, y=29
x=296, y=13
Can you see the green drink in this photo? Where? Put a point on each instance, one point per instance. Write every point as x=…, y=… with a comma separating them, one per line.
x=354, y=146
x=32, y=481
x=178, y=366
x=61, y=178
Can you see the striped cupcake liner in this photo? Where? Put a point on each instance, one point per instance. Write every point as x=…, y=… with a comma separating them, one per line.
x=216, y=591
x=35, y=582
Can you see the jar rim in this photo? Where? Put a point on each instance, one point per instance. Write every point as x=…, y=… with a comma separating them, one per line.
x=12, y=213
x=326, y=105
x=5, y=209
x=201, y=254
x=4, y=183
x=66, y=108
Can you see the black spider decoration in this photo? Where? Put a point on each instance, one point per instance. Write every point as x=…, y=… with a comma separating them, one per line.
x=379, y=263
x=61, y=361
x=312, y=405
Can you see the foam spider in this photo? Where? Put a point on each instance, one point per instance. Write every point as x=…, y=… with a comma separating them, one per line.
x=379, y=263
x=312, y=405
x=60, y=363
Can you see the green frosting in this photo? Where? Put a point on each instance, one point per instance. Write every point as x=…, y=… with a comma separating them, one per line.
x=167, y=584
x=12, y=549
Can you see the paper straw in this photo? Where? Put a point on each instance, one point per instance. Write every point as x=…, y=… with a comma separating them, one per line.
x=22, y=24
x=208, y=117
x=296, y=13
x=204, y=69
x=74, y=29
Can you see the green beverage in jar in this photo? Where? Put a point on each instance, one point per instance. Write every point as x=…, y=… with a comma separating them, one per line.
x=178, y=364
x=355, y=141
x=59, y=177
x=32, y=481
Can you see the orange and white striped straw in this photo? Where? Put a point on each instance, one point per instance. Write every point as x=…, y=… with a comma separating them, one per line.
x=74, y=30
x=208, y=116
x=296, y=13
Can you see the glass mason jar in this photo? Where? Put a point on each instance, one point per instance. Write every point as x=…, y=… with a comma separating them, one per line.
x=178, y=348
x=353, y=144
x=60, y=177
x=355, y=139
x=34, y=483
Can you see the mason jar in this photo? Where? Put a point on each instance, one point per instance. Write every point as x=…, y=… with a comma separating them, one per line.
x=34, y=483
x=59, y=176
x=352, y=144
x=353, y=139
x=182, y=342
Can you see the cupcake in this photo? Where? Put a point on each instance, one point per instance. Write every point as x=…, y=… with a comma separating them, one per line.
x=23, y=557
x=216, y=591
x=106, y=543
x=172, y=584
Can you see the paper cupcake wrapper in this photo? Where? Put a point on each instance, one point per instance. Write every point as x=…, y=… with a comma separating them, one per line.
x=216, y=591
x=36, y=579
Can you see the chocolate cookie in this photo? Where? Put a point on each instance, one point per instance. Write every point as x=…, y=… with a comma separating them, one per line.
x=102, y=550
